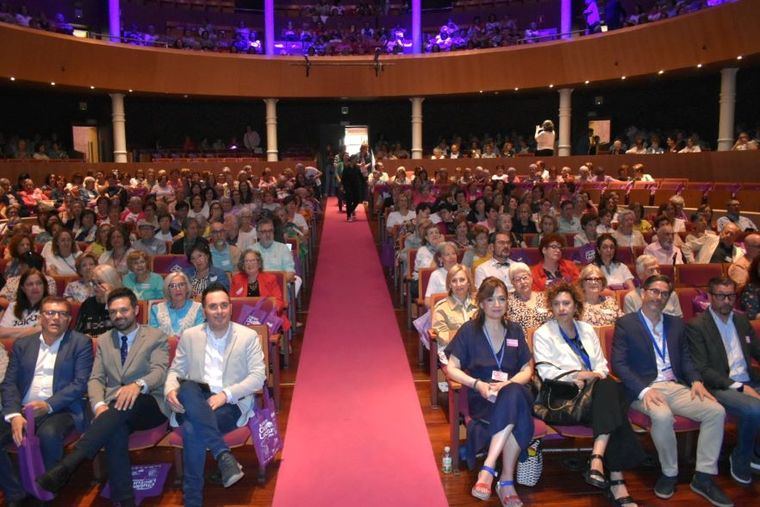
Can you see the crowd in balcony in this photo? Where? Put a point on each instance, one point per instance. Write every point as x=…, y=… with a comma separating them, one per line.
x=41, y=21
x=36, y=147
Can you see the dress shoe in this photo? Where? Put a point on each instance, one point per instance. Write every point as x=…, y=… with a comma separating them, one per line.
x=55, y=478
x=704, y=485
x=229, y=468
x=665, y=487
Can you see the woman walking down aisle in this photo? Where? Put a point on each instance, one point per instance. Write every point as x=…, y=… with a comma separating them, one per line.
x=355, y=415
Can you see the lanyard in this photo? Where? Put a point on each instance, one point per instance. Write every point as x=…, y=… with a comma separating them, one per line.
x=662, y=352
x=500, y=358
x=576, y=346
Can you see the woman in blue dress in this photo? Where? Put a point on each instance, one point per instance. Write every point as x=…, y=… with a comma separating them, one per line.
x=490, y=356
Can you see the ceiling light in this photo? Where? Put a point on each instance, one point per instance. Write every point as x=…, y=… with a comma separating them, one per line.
x=92, y=87
x=551, y=86
x=130, y=90
x=586, y=82
x=739, y=57
x=13, y=78
x=699, y=65
x=516, y=89
x=623, y=78
x=481, y=91
x=52, y=83
x=661, y=72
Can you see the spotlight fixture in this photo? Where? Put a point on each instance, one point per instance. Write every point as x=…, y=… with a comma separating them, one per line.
x=130, y=90
x=699, y=65
x=517, y=89
x=481, y=91
x=551, y=86
x=586, y=82
x=52, y=83
x=739, y=57
x=622, y=77
x=92, y=87
x=13, y=78
x=661, y=72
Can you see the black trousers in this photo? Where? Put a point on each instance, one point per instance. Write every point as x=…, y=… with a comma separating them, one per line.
x=609, y=415
x=352, y=199
x=111, y=430
x=545, y=153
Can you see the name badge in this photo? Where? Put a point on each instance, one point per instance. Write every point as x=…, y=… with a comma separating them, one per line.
x=512, y=342
x=144, y=285
x=212, y=278
x=499, y=376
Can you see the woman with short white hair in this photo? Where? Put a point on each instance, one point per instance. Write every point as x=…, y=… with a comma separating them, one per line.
x=527, y=307
x=179, y=311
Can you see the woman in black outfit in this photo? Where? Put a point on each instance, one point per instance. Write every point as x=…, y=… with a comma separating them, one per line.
x=352, y=186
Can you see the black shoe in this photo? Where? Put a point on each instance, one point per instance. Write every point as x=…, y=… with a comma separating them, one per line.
x=741, y=474
x=595, y=477
x=755, y=463
x=229, y=468
x=55, y=478
x=703, y=484
x=125, y=503
x=623, y=500
x=665, y=487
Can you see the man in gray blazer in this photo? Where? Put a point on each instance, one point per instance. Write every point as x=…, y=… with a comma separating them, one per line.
x=217, y=369
x=126, y=394
x=723, y=345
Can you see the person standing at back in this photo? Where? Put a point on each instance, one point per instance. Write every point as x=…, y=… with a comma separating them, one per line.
x=352, y=185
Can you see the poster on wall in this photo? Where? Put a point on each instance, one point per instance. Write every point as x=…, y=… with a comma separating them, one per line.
x=601, y=128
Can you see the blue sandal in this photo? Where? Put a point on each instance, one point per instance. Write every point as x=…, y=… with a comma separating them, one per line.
x=508, y=500
x=481, y=490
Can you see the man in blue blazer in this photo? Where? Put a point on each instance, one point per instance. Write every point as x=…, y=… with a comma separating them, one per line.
x=48, y=371
x=651, y=356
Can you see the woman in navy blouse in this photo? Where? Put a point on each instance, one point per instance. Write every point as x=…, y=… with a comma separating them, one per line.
x=490, y=356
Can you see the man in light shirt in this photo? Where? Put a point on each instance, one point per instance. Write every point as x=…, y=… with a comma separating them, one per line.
x=723, y=345
x=663, y=248
x=210, y=387
x=567, y=221
x=498, y=265
x=651, y=357
x=733, y=214
x=48, y=373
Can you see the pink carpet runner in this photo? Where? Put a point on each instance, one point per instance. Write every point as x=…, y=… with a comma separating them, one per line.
x=356, y=435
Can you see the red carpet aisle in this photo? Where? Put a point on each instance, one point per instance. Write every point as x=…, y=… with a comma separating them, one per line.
x=356, y=436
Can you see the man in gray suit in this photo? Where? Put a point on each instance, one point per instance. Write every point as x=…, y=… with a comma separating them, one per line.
x=218, y=367
x=126, y=394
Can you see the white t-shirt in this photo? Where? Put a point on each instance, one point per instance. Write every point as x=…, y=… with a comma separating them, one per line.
x=395, y=218
x=437, y=282
x=63, y=266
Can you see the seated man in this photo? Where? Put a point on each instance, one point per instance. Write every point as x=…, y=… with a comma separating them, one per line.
x=733, y=215
x=277, y=256
x=651, y=356
x=218, y=367
x=191, y=233
x=723, y=345
x=148, y=242
x=738, y=271
x=48, y=371
x=223, y=255
x=726, y=249
x=663, y=246
x=498, y=264
x=126, y=394
x=647, y=266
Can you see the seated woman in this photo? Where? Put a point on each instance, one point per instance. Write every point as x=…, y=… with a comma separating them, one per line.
x=252, y=281
x=179, y=311
x=490, y=356
x=598, y=310
x=566, y=344
x=27, y=261
x=61, y=258
x=21, y=316
x=432, y=237
x=750, y=297
x=93, y=319
x=79, y=290
x=19, y=245
x=145, y=284
x=98, y=247
x=553, y=268
x=449, y=314
x=527, y=308
x=446, y=258
x=117, y=249
x=617, y=274
x=203, y=273
x=481, y=249
x=549, y=225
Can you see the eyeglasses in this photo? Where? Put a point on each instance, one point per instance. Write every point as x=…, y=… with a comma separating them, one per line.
x=56, y=313
x=266, y=231
x=179, y=285
x=594, y=279
x=659, y=293
x=554, y=246
x=723, y=297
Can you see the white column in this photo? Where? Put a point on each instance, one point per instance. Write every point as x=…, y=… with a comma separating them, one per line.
x=566, y=18
x=119, y=131
x=565, y=112
x=271, y=121
x=114, y=20
x=727, y=108
x=417, y=127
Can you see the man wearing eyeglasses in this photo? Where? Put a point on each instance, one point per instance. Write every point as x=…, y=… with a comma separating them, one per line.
x=650, y=354
x=126, y=393
x=723, y=345
x=218, y=367
x=223, y=255
x=48, y=372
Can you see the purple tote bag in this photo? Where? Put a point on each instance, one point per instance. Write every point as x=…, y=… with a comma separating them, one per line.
x=265, y=433
x=30, y=460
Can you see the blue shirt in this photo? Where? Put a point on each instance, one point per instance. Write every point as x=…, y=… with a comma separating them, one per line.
x=277, y=257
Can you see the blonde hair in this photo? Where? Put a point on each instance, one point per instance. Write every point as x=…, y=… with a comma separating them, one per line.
x=455, y=269
x=588, y=270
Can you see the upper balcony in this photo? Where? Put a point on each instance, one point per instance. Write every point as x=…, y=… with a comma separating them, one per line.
x=713, y=38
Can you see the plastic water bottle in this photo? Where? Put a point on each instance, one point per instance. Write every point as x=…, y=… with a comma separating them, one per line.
x=446, y=460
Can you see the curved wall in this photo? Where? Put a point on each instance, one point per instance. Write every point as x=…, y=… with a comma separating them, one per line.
x=711, y=36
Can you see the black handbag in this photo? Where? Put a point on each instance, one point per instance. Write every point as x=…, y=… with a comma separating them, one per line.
x=563, y=403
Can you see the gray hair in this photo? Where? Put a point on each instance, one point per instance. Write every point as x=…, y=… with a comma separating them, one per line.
x=518, y=267
x=641, y=260
x=169, y=279
x=107, y=274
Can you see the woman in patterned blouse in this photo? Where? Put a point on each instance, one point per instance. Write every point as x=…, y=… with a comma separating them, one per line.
x=598, y=310
x=527, y=308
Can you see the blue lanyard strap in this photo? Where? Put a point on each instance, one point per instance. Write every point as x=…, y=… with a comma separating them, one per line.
x=661, y=351
x=500, y=358
x=576, y=345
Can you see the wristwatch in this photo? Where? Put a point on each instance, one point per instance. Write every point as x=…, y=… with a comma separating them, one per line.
x=141, y=383
x=740, y=388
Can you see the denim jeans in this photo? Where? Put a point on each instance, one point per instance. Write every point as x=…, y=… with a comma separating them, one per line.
x=747, y=410
x=202, y=428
